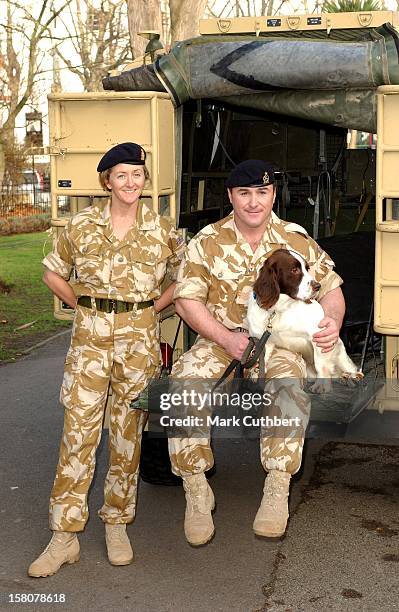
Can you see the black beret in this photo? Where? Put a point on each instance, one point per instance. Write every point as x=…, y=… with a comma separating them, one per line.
x=124, y=153
x=251, y=173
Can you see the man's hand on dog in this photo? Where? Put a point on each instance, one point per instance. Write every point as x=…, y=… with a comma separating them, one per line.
x=327, y=338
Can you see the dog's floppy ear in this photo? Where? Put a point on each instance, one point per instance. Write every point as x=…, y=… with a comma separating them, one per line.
x=266, y=287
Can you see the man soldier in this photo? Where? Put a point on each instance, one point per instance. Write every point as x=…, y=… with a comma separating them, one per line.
x=221, y=265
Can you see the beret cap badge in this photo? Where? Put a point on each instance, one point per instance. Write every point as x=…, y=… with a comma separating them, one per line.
x=251, y=173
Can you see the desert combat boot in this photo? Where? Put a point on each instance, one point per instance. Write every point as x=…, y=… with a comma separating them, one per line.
x=198, y=523
x=119, y=549
x=272, y=516
x=62, y=548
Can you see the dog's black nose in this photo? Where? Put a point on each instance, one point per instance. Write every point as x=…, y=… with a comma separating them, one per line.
x=315, y=285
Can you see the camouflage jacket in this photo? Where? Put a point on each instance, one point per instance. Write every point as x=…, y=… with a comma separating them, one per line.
x=220, y=267
x=131, y=269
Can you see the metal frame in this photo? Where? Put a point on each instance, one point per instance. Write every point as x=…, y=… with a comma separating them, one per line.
x=158, y=115
x=386, y=290
x=58, y=103
x=386, y=285
x=308, y=22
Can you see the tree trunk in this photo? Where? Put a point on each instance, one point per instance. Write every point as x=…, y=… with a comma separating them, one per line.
x=143, y=15
x=13, y=72
x=184, y=18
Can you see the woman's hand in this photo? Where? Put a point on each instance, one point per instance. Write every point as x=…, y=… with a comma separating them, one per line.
x=60, y=287
x=166, y=298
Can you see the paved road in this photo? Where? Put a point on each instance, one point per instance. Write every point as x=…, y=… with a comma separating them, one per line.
x=340, y=553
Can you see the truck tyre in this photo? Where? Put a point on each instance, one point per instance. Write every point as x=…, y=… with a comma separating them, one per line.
x=155, y=465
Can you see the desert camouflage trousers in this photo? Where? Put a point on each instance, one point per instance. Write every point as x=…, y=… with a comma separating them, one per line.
x=117, y=350
x=280, y=446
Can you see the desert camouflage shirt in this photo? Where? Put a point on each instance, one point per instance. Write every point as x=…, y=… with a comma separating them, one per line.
x=220, y=267
x=131, y=269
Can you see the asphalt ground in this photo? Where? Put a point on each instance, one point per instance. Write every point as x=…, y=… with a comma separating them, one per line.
x=340, y=551
x=342, y=548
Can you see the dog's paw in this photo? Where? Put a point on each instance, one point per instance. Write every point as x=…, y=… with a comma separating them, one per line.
x=321, y=385
x=351, y=378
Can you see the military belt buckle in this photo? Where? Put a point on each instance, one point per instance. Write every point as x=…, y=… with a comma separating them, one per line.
x=113, y=306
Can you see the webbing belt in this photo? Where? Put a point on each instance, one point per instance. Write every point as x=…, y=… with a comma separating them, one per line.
x=117, y=306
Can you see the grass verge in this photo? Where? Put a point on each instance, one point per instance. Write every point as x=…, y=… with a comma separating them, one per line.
x=23, y=296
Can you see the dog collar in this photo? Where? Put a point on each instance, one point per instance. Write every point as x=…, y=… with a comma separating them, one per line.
x=269, y=323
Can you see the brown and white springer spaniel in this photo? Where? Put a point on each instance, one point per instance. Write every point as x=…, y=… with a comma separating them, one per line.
x=284, y=296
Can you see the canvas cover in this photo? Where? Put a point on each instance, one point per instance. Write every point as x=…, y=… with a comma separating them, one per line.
x=313, y=76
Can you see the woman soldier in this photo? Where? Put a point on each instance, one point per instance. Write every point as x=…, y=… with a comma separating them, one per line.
x=120, y=254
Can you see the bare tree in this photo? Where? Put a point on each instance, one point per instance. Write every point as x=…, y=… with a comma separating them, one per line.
x=246, y=8
x=11, y=77
x=143, y=15
x=98, y=37
x=24, y=45
x=184, y=18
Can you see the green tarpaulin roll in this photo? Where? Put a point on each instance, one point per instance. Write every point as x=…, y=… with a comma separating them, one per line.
x=330, y=80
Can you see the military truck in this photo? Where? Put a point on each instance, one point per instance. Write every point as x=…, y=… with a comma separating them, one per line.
x=306, y=92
